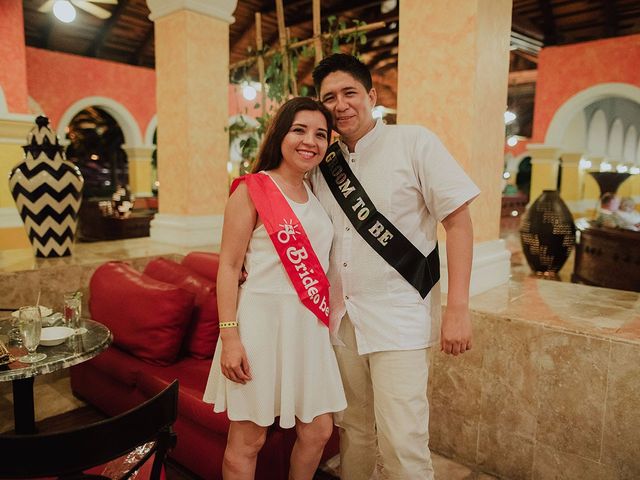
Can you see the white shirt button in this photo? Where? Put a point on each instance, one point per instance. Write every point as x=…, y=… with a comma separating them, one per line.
x=348, y=228
x=344, y=264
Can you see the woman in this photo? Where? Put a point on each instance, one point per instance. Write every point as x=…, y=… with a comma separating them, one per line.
x=274, y=356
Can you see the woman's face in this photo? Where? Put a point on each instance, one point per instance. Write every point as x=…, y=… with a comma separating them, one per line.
x=305, y=144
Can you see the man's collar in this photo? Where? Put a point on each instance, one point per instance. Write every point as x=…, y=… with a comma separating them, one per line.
x=366, y=140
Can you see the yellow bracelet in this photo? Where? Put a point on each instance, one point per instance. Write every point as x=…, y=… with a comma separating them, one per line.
x=228, y=324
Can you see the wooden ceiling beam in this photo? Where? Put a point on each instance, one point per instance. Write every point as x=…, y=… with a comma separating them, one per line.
x=106, y=28
x=549, y=29
x=526, y=56
x=344, y=7
x=523, y=76
x=47, y=32
x=610, y=18
x=305, y=18
x=136, y=57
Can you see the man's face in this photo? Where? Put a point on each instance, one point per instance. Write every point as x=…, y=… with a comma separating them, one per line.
x=349, y=103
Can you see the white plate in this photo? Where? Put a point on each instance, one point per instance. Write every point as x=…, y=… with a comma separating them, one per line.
x=44, y=312
x=51, y=336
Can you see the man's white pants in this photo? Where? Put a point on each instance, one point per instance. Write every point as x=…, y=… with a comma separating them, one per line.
x=386, y=394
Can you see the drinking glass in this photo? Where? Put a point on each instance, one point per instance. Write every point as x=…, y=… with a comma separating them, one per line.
x=72, y=309
x=15, y=337
x=30, y=324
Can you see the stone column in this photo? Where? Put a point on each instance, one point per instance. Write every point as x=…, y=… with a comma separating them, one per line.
x=626, y=187
x=446, y=58
x=192, y=70
x=544, y=169
x=139, y=169
x=635, y=183
x=13, y=134
x=572, y=181
x=15, y=122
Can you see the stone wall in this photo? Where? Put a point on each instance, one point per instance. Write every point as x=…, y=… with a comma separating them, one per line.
x=533, y=401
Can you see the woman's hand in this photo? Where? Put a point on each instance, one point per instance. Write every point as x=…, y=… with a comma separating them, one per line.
x=233, y=361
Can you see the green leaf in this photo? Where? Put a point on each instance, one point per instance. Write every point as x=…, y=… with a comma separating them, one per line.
x=335, y=47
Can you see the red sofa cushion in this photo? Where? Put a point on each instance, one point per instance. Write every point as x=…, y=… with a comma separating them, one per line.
x=148, y=318
x=202, y=333
x=118, y=365
x=203, y=263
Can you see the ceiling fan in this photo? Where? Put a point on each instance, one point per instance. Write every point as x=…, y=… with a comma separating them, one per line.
x=86, y=5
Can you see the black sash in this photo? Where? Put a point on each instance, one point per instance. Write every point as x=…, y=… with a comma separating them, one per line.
x=420, y=271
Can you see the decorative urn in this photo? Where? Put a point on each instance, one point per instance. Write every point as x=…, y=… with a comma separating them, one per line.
x=47, y=190
x=547, y=233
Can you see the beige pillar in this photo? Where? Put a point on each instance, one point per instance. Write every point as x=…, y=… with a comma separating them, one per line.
x=635, y=183
x=626, y=187
x=544, y=169
x=453, y=67
x=139, y=169
x=572, y=181
x=192, y=75
x=13, y=134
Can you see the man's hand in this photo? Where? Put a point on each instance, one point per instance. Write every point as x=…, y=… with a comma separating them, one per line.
x=456, y=333
x=456, y=323
x=233, y=361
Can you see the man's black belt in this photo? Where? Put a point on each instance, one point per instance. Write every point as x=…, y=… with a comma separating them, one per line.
x=420, y=271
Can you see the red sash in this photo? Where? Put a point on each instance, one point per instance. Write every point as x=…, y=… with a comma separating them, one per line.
x=291, y=242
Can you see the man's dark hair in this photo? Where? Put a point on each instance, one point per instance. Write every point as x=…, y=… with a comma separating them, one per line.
x=341, y=62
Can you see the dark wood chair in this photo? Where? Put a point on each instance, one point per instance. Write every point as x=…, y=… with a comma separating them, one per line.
x=68, y=454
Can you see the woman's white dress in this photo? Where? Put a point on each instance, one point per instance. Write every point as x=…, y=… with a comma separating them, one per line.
x=293, y=366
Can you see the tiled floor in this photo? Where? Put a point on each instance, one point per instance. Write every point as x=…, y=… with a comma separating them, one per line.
x=52, y=396
x=444, y=468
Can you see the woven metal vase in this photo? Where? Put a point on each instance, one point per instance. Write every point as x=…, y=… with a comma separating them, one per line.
x=547, y=233
x=47, y=190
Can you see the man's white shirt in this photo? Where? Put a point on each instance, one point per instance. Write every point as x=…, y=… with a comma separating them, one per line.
x=415, y=183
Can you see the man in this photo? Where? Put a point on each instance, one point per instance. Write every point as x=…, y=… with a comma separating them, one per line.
x=385, y=313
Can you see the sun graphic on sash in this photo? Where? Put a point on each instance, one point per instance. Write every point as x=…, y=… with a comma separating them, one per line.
x=289, y=228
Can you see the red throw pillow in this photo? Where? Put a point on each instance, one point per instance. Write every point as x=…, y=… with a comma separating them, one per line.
x=147, y=317
x=203, y=263
x=202, y=333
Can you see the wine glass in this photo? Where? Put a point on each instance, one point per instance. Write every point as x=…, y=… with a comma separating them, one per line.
x=30, y=324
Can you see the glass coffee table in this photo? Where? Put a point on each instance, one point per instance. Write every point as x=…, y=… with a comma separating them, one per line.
x=76, y=349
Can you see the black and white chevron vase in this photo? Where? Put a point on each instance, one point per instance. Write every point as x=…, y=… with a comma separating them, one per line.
x=47, y=190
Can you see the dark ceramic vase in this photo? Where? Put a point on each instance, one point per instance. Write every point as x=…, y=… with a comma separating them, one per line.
x=609, y=181
x=547, y=233
x=47, y=190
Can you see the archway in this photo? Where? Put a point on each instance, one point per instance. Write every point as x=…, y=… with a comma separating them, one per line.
x=576, y=104
x=95, y=146
x=126, y=121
